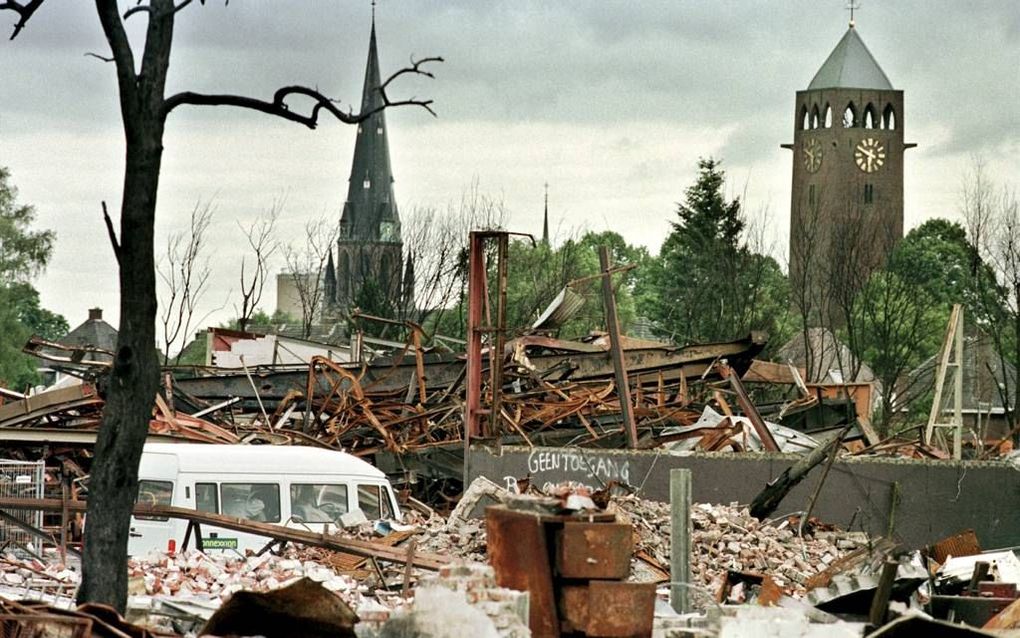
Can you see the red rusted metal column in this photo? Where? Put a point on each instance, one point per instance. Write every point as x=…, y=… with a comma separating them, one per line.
x=613, y=328
x=498, y=340
x=476, y=301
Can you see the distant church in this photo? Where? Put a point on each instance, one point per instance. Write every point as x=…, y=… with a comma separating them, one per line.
x=369, y=264
x=846, y=211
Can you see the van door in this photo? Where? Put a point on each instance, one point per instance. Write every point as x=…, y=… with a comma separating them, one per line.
x=375, y=501
x=157, y=478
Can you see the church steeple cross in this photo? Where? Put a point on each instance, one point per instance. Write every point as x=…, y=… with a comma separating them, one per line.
x=851, y=5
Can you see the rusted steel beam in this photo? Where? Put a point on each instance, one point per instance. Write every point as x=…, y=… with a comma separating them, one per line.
x=619, y=364
x=476, y=299
x=751, y=412
x=350, y=546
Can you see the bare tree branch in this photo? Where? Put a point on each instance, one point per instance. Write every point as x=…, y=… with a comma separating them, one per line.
x=140, y=8
x=104, y=58
x=24, y=11
x=279, y=107
x=109, y=17
x=184, y=272
x=260, y=239
x=306, y=265
x=111, y=232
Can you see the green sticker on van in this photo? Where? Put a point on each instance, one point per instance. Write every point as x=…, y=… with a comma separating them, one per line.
x=219, y=543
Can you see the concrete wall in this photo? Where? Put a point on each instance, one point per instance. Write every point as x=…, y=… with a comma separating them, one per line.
x=919, y=501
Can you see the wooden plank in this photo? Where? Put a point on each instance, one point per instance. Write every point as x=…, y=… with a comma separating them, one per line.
x=351, y=546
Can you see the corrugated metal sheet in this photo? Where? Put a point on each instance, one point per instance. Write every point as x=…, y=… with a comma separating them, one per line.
x=564, y=306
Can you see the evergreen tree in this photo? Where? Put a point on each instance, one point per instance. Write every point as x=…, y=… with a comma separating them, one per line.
x=708, y=284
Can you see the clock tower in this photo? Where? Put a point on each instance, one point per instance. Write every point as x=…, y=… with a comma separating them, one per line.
x=846, y=210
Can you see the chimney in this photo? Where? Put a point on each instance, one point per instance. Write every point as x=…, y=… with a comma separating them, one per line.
x=95, y=314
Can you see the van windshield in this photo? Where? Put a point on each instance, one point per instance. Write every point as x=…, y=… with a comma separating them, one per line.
x=318, y=502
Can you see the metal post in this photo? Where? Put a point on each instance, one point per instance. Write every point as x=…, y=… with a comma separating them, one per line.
x=958, y=391
x=619, y=366
x=680, y=539
x=473, y=377
x=496, y=344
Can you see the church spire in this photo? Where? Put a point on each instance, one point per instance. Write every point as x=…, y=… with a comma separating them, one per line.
x=545, y=221
x=370, y=212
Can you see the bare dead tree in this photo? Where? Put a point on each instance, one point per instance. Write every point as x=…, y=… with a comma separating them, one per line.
x=436, y=240
x=260, y=235
x=184, y=271
x=141, y=85
x=805, y=280
x=306, y=268
x=992, y=219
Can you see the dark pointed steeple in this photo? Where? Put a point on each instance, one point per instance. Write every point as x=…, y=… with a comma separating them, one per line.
x=329, y=282
x=545, y=221
x=370, y=212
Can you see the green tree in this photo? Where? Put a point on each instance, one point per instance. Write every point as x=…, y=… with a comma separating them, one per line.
x=711, y=284
x=23, y=251
x=536, y=274
x=900, y=325
x=23, y=254
x=937, y=257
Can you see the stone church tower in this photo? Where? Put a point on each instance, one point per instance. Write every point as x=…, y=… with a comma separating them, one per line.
x=370, y=248
x=847, y=199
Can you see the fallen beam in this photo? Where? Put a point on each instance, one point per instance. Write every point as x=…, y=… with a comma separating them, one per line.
x=361, y=548
x=766, y=502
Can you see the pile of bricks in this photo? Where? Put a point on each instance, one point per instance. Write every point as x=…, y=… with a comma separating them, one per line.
x=727, y=538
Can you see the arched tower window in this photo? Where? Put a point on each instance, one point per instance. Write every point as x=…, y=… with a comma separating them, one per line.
x=850, y=116
x=889, y=117
x=805, y=123
x=814, y=116
x=870, y=118
x=828, y=116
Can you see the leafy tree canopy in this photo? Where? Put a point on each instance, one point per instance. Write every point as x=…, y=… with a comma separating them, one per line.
x=23, y=252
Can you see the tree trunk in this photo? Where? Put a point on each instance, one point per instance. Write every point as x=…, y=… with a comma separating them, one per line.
x=133, y=382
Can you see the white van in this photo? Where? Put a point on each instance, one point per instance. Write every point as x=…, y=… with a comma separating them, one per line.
x=296, y=486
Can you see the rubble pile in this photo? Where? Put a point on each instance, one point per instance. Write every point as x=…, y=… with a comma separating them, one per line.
x=728, y=538
x=220, y=575
x=463, y=539
x=28, y=572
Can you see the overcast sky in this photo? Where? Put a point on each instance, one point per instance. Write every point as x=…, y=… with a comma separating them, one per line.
x=610, y=102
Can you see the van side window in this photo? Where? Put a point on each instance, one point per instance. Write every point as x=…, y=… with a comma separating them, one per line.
x=154, y=493
x=318, y=502
x=374, y=502
x=253, y=501
x=206, y=498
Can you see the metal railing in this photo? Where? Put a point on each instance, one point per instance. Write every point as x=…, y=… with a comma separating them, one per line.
x=23, y=480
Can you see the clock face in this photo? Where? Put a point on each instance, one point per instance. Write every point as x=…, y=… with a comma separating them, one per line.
x=812, y=155
x=869, y=155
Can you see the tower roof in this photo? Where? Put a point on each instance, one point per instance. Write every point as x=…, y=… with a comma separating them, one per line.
x=370, y=199
x=850, y=66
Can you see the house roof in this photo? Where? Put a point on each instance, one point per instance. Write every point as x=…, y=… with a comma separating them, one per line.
x=986, y=378
x=850, y=66
x=93, y=332
x=825, y=358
